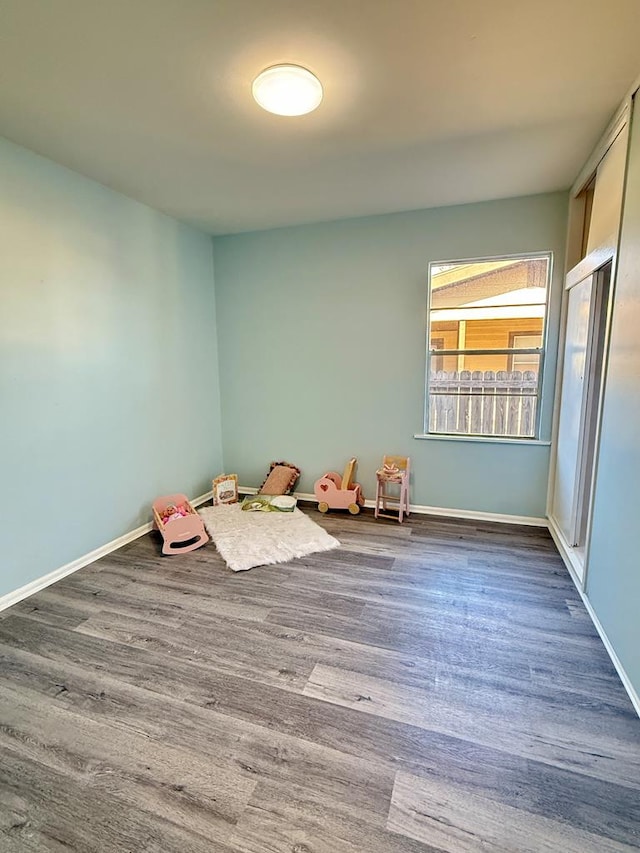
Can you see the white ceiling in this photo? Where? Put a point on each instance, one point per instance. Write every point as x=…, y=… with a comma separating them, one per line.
x=427, y=102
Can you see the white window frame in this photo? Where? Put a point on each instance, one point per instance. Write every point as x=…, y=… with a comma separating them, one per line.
x=540, y=351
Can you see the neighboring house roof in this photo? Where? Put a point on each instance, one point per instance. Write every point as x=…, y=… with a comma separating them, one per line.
x=451, y=274
x=486, y=283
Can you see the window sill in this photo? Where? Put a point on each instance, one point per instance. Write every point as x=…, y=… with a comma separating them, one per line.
x=483, y=439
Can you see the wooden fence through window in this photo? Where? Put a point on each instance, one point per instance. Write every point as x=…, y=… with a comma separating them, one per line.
x=483, y=402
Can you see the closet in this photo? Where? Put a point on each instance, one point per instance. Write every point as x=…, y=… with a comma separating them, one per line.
x=593, y=234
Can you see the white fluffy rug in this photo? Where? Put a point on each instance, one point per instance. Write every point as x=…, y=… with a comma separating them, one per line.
x=248, y=539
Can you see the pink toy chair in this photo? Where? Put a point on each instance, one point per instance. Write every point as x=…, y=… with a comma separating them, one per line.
x=395, y=471
x=335, y=492
x=180, y=534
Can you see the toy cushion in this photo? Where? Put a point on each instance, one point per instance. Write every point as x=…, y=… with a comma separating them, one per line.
x=280, y=480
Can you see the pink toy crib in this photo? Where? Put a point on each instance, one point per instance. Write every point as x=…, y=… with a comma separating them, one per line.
x=182, y=534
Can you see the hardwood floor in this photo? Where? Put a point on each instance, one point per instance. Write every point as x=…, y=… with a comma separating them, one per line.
x=436, y=686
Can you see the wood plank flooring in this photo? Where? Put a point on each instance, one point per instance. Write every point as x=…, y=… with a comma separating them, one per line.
x=435, y=687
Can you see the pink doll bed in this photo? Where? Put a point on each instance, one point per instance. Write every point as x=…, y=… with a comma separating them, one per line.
x=182, y=530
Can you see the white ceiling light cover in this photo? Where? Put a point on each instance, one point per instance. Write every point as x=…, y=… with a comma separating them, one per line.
x=287, y=90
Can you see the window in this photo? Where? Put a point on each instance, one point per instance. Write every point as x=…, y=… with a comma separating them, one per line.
x=485, y=348
x=520, y=341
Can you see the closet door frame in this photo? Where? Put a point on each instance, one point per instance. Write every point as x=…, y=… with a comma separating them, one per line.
x=592, y=265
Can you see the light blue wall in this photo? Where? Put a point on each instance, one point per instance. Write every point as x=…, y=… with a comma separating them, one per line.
x=108, y=364
x=613, y=580
x=322, y=342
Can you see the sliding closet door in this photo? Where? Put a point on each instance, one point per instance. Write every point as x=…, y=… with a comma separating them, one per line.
x=572, y=409
x=598, y=337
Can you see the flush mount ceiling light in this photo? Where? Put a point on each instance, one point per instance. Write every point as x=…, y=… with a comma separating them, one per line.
x=287, y=90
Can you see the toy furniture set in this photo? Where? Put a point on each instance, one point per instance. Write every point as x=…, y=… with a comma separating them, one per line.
x=395, y=471
x=335, y=492
x=181, y=527
x=183, y=530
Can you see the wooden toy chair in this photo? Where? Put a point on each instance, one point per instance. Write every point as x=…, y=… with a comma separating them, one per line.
x=395, y=471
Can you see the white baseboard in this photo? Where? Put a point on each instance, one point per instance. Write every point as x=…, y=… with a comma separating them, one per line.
x=419, y=509
x=568, y=559
x=474, y=515
x=57, y=574
x=615, y=660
